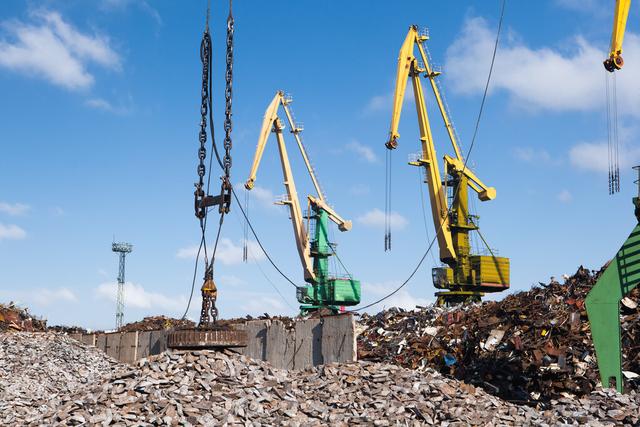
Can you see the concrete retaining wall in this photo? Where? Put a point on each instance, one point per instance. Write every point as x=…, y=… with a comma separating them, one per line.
x=310, y=342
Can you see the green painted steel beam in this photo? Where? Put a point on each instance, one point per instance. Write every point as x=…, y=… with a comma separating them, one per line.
x=603, y=308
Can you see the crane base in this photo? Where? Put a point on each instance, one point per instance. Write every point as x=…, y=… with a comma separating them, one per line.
x=191, y=339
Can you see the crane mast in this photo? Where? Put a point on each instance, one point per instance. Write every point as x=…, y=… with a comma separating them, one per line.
x=467, y=276
x=614, y=61
x=312, y=242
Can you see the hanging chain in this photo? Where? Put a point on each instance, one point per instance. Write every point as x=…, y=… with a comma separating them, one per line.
x=209, y=312
x=199, y=194
x=228, y=94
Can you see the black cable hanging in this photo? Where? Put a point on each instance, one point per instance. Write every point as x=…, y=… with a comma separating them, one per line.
x=387, y=202
x=473, y=140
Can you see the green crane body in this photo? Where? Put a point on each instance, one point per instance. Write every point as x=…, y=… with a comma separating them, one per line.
x=603, y=306
x=325, y=291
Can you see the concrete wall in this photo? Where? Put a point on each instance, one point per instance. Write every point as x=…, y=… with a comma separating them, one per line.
x=309, y=342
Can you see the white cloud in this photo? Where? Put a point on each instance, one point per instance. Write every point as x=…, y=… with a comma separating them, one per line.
x=52, y=49
x=402, y=298
x=136, y=296
x=594, y=157
x=11, y=232
x=564, y=196
x=258, y=304
x=541, y=78
x=231, y=280
x=227, y=253
x=142, y=4
x=363, y=151
x=104, y=105
x=376, y=218
x=14, y=209
x=385, y=102
x=531, y=155
x=46, y=297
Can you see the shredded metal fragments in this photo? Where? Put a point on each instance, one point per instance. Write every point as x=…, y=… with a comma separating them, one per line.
x=531, y=347
x=42, y=373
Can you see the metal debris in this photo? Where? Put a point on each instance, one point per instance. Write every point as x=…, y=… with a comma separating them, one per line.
x=532, y=347
x=153, y=323
x=38, y=371
x=222, y=388
x=14, y=318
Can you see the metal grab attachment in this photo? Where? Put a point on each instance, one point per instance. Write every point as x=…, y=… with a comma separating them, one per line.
x=620, y=277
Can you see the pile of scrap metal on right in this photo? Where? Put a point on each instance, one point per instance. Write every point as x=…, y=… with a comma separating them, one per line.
x=531, y=347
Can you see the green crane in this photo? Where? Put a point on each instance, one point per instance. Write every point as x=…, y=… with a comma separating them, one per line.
x=311, y=236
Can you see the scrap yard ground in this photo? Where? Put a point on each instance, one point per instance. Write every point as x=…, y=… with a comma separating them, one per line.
x=525, y=360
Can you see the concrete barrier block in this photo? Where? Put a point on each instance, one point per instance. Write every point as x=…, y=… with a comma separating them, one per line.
x=128, y=347
x=280, y=343
x=89, y=339
x=338, y=339
x=308, y=344
x=101, y=342
x=158, y=342
x=256, y=339
x=77, y=337
x=112, y=347
x=144, y=342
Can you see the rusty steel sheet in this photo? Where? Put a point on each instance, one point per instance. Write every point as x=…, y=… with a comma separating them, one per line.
x=206, y=338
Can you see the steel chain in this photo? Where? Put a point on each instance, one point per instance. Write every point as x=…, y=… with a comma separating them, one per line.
x=205, y=50
x=228, y=93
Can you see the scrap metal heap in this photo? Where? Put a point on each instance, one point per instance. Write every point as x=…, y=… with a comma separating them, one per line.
x=531, y=347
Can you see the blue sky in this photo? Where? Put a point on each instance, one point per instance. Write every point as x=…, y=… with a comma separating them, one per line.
x=100, y=103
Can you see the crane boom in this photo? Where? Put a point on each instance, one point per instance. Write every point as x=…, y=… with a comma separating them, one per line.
x=464, y=277
x=271, y=123
x=621, y=13
x=313, y=251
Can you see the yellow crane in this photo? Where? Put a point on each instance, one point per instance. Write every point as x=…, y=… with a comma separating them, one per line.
x=614, y=61
x=311, y=236
x=467, y=277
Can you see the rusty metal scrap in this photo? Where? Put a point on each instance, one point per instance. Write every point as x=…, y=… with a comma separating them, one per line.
x=14, y=318
x=153, y=323
x=531, y=347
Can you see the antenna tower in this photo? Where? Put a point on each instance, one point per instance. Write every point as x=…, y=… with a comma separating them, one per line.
x=122, y=249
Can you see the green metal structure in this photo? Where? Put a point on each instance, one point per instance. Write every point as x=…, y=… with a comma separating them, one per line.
x=325, y=291
x=603, y=305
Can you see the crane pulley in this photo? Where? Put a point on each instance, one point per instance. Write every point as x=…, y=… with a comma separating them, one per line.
x=467, y=277
x=314, y=248
x=614, y=61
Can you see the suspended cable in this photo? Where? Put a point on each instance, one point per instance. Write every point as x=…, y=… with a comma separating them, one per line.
x=473, y=140
x=424, y=213
x=387, y=202
x=253, y=231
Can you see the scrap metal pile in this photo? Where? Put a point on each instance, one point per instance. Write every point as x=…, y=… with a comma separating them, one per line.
x=14, y=318
x=153, y=323
x=530, y=347
x=49, y=379
x=38, y=371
